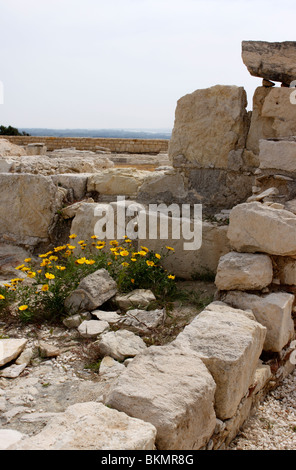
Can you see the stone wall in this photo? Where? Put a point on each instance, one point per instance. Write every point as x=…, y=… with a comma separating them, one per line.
x=153, y=146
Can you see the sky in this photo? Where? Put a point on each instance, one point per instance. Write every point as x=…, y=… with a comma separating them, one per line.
x=102, y=64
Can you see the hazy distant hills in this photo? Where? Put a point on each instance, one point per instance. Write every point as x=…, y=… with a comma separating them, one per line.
x=106, y=133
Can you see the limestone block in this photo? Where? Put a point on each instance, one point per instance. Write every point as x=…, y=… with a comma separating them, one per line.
x=92, y=328
x=117, y=181
x=120, y=344
x=76, y=183
x=164, y=185
x=138, y=298
x=229, y=341
x=244, y=271
x=270, y=60
x=142, y=321
x=9, y=149
x=254, y=227
x=278, y=155
x=10, y=348
x=28, y=207
x=274, y=311
x=91, y=426
x=209, y=123
x=92, y=291
x=178, y=404
x=286, y=270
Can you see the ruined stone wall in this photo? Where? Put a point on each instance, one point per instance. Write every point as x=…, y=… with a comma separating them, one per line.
x=82, y=143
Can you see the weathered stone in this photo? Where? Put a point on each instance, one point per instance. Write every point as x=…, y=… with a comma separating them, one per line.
x=12, y=371
x=270, y=60
x=92, y=291
x=10, y=348
x=91, y=426
x=291, y=206
x=110, y=368
x=110, y=317
x=142, y=321
x=25, y=357
x=265, y=194
x=117, y=181
x=179, y=404
x=286, y=270
x=163, y=186
x=229, y=341
x=28, y=207
x=10, y=257
x=218, y=111
x=273, y=116
x=137, y=298
x=274, y=311
x=254, y=227
x=74, y=321
x=7, y=149
x=9, y=437
x=77, y=183
x=120, y=344
x=269, y=153
x=48, y=350
x=244, y=271
x=92, y=328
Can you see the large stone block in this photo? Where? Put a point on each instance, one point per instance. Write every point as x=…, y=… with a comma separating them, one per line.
x=229, y=341
x=278, y=154
x=274, y=311
x=244, y=271
x=91, y=426
x=270, y=60
x=28, y=207
x=209, y=123
x=254, y=227
x=178, y=404
x=117, y=181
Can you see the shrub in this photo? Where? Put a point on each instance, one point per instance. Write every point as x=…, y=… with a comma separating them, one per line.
x=41, y=294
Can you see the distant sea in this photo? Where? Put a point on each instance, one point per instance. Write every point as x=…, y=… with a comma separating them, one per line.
x=106, y=133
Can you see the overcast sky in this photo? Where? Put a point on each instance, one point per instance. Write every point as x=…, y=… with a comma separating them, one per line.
x=125, y=63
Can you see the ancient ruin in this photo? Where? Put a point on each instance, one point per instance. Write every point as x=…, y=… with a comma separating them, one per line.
x=197, y=390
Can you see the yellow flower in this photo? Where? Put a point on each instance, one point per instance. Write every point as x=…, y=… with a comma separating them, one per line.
x=45, y=287
x=2, y=297
x=27, y=260
x=124, y=253
x=90, y=261
x=43, y=256
x=99, y=247
x=80, y=260
x=49, y=276
x=94, y=237
x=145, y=248
x=157, y=255
x=6, y=285
x=109, y=263
x=132, y=281
x=170, y=248
x=53, y=258
x=23, y=307
x=81, y=242
x=113, y=242
x=150, y=263
x=125, y=264
x=25, y=269
x=31, y=274
x=61, y=268
x=142, y=253
x=45, y=262
x=171, y=276
x=20, y=266
x=72, y=236
x=71, y=247
x=39, y=271
x=128, y=240
x=59, y=248
x=133, y=259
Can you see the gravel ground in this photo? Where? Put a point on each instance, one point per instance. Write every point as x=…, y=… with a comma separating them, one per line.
x=273, y=427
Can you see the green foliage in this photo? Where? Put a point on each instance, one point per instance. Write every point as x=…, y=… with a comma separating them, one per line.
x=11, y=131
x=42, y=294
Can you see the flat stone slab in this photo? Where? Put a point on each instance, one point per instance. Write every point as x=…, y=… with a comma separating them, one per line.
x=142, y=321
x=120, y=344
x=172, y=389
x=138, y=298
x=10, y=349
x=92, y=328
x=229, y=341
x=270, y=60
x=91, y=426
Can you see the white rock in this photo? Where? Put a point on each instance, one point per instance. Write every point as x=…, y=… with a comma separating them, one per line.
x=244, y=271
x=9, y=437
x=12, y=371
x=254, y=227
x=270, y=151
x=92, y=328
x=110, y=368
x=178, y=404
x=142, y=321
x=274, y=311
x=229, y=341
x=110, y=317
x=10, y=349
x=138, y=298
x=120, y=344
x=91, y=426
